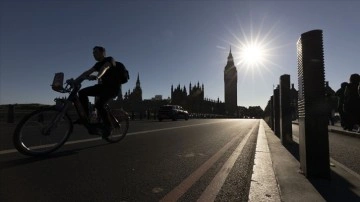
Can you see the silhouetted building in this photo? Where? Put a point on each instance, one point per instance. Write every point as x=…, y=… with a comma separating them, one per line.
x=179, y=96
x=193, y=101
x=136, y=94
x=196, y=98
x=243, y=112
x=230, y=81
x=132, y=100
x=255, y=112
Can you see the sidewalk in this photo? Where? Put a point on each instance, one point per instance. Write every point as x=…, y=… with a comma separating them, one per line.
x=338, y=129
x=294, y=186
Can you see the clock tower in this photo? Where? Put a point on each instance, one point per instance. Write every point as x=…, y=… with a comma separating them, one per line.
x=230, y=80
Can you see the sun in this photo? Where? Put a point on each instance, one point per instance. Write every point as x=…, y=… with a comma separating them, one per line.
x=252, y=54
x=255, y=47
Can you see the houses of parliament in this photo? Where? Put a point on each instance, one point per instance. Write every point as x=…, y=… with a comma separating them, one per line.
x=195, y=101
x=192, y=99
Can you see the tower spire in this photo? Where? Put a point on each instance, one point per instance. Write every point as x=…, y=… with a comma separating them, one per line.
x=138, y=81
x=230, y=57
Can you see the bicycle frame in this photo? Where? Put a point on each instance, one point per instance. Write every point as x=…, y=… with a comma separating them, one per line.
x=73, y=98
x=25, y=140
x=78, y=106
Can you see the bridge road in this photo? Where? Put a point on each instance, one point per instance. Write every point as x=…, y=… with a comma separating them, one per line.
x=156, y=161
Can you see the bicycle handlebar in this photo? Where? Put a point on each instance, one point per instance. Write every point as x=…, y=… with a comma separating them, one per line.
x=72, y=83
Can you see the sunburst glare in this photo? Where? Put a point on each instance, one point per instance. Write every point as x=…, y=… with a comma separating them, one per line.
x=252, y=54
x=253, y=49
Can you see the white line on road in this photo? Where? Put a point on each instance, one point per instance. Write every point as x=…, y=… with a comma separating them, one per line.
x=9, y=151
x=182, y=188
x=217, y=182
x=185, y=185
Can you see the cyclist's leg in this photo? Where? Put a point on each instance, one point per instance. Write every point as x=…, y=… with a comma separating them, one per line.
x=100, y=106
x=95, y=90
x=103, y=99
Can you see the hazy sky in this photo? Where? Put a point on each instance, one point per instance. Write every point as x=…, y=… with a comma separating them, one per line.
x=170, y=43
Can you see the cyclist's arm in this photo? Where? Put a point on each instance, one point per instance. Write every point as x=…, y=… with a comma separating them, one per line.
x=85, y=75
x=103, y=69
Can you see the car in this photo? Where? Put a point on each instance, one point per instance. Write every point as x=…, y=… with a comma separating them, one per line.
x=173, y=112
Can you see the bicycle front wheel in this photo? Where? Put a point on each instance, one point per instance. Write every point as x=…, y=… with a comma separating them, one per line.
x=120, y=126
x=42, y=132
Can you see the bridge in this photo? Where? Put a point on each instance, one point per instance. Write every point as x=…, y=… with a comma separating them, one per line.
x=198, y=159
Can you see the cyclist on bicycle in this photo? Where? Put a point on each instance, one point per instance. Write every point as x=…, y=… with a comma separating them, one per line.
x=106, y=89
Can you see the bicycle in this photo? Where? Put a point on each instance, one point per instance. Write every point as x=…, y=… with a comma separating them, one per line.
x=46, y=130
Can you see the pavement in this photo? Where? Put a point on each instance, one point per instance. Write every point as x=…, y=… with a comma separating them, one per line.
x=336, y=128
x=277, y=175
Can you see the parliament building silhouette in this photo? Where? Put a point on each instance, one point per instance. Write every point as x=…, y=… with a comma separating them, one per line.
x=192, y=99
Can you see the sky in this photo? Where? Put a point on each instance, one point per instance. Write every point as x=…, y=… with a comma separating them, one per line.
x=174, y=42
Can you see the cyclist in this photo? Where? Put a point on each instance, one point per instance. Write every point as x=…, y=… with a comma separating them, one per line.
x=106, y=89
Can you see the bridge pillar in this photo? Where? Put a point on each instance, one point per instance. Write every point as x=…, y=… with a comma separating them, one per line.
x=313, y=131
x=285, y=110
x=276, y=109
x=272, y=113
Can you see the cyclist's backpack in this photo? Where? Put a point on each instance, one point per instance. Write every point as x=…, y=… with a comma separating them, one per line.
x=124, y=73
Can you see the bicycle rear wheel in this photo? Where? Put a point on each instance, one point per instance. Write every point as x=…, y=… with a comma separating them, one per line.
x=120, y=126
x=42, y=132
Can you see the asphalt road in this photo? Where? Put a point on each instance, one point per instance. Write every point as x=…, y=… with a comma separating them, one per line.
x=180, y=160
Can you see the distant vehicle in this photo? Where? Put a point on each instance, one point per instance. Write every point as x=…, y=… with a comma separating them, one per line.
x=173, y=112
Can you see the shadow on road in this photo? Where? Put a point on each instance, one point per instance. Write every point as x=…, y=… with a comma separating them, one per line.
x=336, y=189
x=54, y=155
x=293, y=148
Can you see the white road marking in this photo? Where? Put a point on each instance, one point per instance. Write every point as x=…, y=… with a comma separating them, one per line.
x=185, y=185
x=9, y=151
x=217, y=182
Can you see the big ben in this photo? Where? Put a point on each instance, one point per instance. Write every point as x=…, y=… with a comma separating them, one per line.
x=230, y=80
